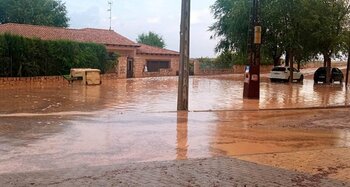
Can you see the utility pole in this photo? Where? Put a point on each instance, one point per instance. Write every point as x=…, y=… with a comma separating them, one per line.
x=110, y=14
x=182, y=100
x=252, y=72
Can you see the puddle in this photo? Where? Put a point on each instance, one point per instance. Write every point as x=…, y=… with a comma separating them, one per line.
x=27, y=145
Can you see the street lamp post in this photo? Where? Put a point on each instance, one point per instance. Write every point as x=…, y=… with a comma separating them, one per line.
x=182, y=101
x=252, y=73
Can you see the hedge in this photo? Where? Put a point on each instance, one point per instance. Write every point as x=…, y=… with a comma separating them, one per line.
x=24, y=57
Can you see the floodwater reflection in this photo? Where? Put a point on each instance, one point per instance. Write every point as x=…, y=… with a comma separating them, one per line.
x=182, y=136
x=104, y=139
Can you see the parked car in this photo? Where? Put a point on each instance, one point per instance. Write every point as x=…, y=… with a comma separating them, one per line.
x=336, y=75
x=280, y=73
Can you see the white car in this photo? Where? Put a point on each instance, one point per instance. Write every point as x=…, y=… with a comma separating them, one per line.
x=280, y=73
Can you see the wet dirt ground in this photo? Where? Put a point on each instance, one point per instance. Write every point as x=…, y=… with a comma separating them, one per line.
x=132, y=121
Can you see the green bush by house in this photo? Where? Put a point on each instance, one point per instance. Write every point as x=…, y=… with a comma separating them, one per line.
x=24, y=57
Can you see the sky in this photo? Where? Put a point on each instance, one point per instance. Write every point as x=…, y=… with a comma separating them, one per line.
x=131, y=18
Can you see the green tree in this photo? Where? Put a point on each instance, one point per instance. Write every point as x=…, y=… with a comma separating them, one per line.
x=35, y=12
x=327, y=21
x=346, y=42
x=274, y=19
x=283, y=32
x=297, y=28
x=231, y=26
x=152, y=39
x=279, y=21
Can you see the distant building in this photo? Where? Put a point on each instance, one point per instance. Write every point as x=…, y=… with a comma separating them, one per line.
x=136, y=60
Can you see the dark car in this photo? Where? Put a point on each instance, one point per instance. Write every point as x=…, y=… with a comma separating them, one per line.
x=320, y=75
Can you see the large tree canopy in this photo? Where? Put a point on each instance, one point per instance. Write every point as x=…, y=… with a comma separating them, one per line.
x=282, y=27
x=152, y=39
x=232, y=24
x=35, y=12
x=325, y=22
x=300, y=28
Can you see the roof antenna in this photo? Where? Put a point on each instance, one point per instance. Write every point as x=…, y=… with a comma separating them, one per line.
x=110, y=14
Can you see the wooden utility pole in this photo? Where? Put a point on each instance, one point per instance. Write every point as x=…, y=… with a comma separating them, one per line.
x=182, y=100
x=251, y=88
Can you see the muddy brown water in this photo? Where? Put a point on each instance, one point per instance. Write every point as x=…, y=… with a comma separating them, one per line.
x=160, y=94
x=125, y=121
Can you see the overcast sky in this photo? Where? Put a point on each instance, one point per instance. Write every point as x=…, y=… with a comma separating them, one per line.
x=133, y=17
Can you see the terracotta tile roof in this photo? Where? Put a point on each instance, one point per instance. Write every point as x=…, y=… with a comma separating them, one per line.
x=146, y=49
x=100, y=36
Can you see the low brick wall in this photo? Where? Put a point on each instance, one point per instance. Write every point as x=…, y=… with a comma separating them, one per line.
x=238, y=69
x=44, y=80
x=316, y=64
x=109, y=76
x=161, y=73
x=28, y=81
x=214, y=72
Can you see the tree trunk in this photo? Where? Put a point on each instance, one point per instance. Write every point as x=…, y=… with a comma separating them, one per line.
x=19, y=73
x=11, y=60
x=299, y=65
x=291, y=77
x=287, y=58
x=276, y=61
x=327, y=63
x=347, y=71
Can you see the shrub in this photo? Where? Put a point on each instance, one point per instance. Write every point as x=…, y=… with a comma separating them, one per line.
x=24, y=57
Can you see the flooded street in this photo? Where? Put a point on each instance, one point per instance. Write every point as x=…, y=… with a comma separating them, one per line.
x=127, y=121
x=160, y=94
